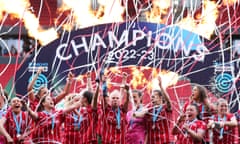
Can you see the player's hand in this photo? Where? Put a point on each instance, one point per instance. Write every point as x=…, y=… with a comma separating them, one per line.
x=40, y=70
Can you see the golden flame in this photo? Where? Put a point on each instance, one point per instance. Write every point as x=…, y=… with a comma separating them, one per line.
x=205, y=24
x=112, y=10
x=84, y=15
x=230, y=2
x=114, y=70
x=158, y=12
x=138, y=77
x=168, y=79
x=1, y=9
x=44, y=36
x=21, y=9
x=80, y=11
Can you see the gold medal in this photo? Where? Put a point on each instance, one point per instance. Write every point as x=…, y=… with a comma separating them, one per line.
x=52, y=132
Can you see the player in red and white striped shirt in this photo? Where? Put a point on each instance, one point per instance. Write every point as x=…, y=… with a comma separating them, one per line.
x=114, y=119
x=191, y=130
x=223, y=124
x=42, y=91
x=71, y=134
x=3, y=108
x=80, y=124
x=100, y=121
x=49, y=121
x=199, y=97
x=158, y=118
x=237, y=114
x=90, y=136
x=14, y=125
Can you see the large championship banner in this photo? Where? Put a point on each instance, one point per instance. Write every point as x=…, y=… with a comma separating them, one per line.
x=143, y=50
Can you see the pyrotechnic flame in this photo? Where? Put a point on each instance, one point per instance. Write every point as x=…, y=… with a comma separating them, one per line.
x=1, y=10
x=114, y=70
x=21, y=9
x=205, y=24
x=230, y=2
x=141, y=78
x=113, y=11
x=138, y=77
x=168, y=78
x=84, y=15
x=158, y=12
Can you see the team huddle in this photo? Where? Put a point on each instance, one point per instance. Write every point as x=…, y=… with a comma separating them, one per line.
x=119, y=117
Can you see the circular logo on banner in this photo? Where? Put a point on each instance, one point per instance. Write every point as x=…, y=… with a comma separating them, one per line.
x=41, y=81
x=224, y=82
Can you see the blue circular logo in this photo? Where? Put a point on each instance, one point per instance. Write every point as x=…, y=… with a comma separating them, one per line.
x=41, y=81
x=224, y=82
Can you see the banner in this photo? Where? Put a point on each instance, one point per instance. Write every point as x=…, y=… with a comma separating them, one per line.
x=141, y=49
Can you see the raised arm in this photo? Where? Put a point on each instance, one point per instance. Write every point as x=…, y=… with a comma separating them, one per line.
x=3, y=94
x=122, y=88
x=95, y=98
x=72, y=107
x=103, y=80
x=165, y=94
x=125, y=105
x=124, y=78
x=89, y=82
x=32, y=113
x=124, y=82
x=1, y=90
x=66, y=88
x=31, y=95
